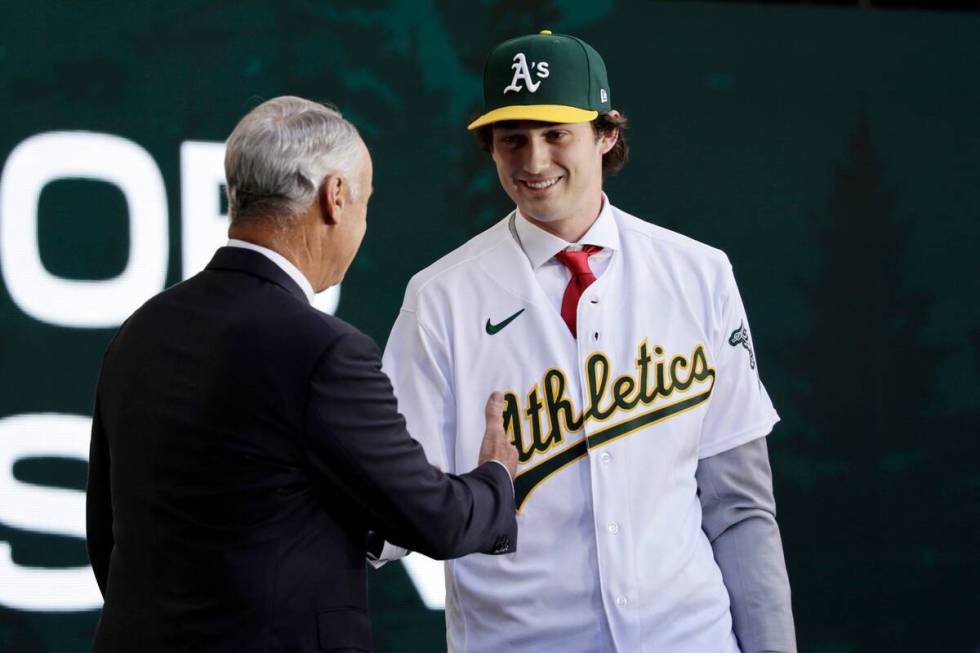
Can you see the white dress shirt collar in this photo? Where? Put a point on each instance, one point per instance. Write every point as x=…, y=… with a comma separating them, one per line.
x=541, y=246
x=280, y=260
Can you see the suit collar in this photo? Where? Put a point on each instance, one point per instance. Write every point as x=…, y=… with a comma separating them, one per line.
x=284, y=263
x=251, y=262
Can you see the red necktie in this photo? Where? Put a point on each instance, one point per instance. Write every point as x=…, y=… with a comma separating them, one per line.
x=577, y=263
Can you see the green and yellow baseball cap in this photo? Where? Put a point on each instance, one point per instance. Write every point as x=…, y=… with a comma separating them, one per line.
x=547, y=77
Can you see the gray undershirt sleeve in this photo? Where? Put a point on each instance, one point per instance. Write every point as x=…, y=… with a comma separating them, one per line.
x=739, y=518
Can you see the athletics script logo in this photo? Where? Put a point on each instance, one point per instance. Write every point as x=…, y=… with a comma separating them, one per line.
x=686, y=382
x=522, y=73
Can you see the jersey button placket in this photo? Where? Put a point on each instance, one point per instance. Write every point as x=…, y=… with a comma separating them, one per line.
x=614, y=563
x=610, y=484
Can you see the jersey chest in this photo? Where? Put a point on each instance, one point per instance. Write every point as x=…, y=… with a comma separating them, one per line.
x=635, y=380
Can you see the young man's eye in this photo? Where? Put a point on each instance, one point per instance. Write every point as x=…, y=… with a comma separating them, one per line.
x=556, y=135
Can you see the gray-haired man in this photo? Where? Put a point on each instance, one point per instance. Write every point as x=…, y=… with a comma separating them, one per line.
x=243, y=442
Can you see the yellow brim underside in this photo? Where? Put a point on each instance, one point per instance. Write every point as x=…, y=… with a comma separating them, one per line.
x=542, y=112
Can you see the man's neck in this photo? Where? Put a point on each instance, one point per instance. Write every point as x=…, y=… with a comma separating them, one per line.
x=290, y=244
x=571, y=230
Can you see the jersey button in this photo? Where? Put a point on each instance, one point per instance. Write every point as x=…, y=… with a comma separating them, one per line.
x=595, y=336
x=593, y=299
x=605, y=457
x=621, y=601
x=613, y=527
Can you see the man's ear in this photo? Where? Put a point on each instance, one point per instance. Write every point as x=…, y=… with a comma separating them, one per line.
x=610, y=138
x=332, y=196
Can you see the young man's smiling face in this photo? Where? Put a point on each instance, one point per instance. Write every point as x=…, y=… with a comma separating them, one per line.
x=553, y=172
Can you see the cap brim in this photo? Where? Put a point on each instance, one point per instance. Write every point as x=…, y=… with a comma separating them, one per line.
x=542, y=112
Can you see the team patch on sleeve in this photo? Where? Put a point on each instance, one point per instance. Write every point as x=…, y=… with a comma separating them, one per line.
x=740, y=336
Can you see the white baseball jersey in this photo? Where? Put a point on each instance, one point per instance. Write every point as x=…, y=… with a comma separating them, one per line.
x=610, y=428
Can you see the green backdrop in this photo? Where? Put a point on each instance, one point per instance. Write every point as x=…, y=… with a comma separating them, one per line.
x=832, y=153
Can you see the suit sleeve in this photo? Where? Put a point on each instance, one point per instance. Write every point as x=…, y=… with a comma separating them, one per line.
x=357, y=442
x=740, y=409
x=98, y=503
x=739, y=518
x=420, y=373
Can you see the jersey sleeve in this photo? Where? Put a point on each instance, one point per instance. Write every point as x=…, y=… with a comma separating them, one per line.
x=420, y=373
x=740, y=409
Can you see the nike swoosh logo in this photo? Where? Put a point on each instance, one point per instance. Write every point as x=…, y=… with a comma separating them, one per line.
x=495, y=328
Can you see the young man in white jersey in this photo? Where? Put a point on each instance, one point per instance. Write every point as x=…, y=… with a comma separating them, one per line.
x=644, y=493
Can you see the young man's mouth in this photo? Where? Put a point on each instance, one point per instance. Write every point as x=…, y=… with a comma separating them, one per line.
x=539, y=185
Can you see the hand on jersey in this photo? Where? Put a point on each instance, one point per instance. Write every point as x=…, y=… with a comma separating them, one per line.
x=496, y=445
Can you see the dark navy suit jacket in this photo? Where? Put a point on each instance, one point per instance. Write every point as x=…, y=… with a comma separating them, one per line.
x=243, y=445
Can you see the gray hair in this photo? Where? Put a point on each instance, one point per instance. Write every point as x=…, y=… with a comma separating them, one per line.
x=279, y=153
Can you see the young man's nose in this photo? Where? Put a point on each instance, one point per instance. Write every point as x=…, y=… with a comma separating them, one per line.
x=537, y=157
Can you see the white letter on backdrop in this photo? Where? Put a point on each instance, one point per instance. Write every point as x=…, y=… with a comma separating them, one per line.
x=40, y=509
x=43, y=158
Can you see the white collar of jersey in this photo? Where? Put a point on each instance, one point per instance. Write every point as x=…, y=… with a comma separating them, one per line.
x=282, y=262
x=541, y=246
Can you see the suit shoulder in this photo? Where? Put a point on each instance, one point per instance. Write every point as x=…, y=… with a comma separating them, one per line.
x=456, y=263
x=321, y=330
x=244, y=307
x=331, y=326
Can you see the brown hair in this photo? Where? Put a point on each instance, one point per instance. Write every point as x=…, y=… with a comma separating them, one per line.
x=612, y=161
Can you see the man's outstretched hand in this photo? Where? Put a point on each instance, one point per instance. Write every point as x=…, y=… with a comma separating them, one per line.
x=496, y=445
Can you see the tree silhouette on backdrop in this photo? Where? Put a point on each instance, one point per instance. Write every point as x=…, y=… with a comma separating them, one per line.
x=873, y=535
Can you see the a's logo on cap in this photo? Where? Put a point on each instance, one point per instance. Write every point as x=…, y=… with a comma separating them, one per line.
x=522, y=73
